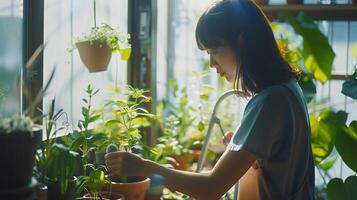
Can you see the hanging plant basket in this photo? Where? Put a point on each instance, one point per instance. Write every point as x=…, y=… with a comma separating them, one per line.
x=95, y=55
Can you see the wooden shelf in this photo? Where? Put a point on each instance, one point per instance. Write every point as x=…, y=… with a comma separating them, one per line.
x=332, y=12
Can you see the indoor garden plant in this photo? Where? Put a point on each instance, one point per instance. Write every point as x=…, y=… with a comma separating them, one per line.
x=56, y=165
x=96, y=47
x=124, y=116
x=331, y=136
x=93, y=184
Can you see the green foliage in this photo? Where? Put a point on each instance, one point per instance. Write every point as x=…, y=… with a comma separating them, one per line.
x=15, y=124
x=62, y=165
x=346, y=144
x=184, y=124
x=317, y=52
x=124, y=116
x=349, y=87
x=56, y=162
x=93, y=183
x=85, y=138
x=324, y=129
x=115, y=39
x=337, y=189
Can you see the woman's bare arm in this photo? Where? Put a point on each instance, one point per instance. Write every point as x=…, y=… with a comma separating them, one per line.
x=229, y=169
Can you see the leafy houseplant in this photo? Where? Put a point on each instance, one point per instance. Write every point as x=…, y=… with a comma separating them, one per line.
x=123, y=116
x=331, y=137
x=17, y=135
x=184, y=125
x=96, y=47
x=84, y=139
x=93, y=184
x=56, y=165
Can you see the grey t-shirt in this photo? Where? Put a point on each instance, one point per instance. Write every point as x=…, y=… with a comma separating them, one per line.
x=276, y=129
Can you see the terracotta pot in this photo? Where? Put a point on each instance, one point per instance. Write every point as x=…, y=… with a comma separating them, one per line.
x=295, y=2
x=196, y=155
x=135, y=189
x=95, y=55
x=183, y=161
x=261, y=2
x=17, y=155
x=105, y=196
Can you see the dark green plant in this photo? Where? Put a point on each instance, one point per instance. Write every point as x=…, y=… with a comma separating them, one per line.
x=85, y=138
x=55, y=163
x=93, y=183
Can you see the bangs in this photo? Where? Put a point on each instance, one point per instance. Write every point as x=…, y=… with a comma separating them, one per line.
x=210, y=33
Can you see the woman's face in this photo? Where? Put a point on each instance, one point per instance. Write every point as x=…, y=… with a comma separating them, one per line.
x=225, y=62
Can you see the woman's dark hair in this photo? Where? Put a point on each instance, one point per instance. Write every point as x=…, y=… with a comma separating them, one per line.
x=241, y=25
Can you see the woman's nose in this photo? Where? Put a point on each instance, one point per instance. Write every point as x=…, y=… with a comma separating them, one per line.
x=212, y=61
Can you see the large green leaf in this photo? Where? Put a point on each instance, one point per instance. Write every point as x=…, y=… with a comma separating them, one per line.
x=317, y=52
x=125, y=53
x=323, y=132
x=338, y=190
x=346, y=144
x=349, y=87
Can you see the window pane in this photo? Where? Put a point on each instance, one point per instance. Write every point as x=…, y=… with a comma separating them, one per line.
x=10, y=55
x=63, y=21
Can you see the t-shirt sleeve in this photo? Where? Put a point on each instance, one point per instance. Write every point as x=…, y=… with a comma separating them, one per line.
x=262, y=124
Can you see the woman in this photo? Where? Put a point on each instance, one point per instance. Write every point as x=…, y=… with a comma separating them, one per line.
x=270, y=153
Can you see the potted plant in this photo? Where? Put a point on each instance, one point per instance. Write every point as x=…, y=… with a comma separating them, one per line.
x=85, y=138
x=96, y=47
x=124, y=116
x=56, y=164
x=93, y=184
x=17, y=135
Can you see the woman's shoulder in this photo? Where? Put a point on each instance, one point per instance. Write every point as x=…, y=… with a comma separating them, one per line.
x=274, y=93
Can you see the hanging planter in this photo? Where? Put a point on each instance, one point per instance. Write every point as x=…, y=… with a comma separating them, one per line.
x=95, y=55
x=96, y=47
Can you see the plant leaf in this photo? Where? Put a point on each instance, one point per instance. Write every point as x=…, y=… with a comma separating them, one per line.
x=346, y=145
x=317, y=52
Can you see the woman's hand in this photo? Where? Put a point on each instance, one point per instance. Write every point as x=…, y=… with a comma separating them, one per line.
x=227, y=137
x=124, y=164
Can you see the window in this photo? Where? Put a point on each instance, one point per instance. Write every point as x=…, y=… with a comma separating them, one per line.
x=64, y=20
